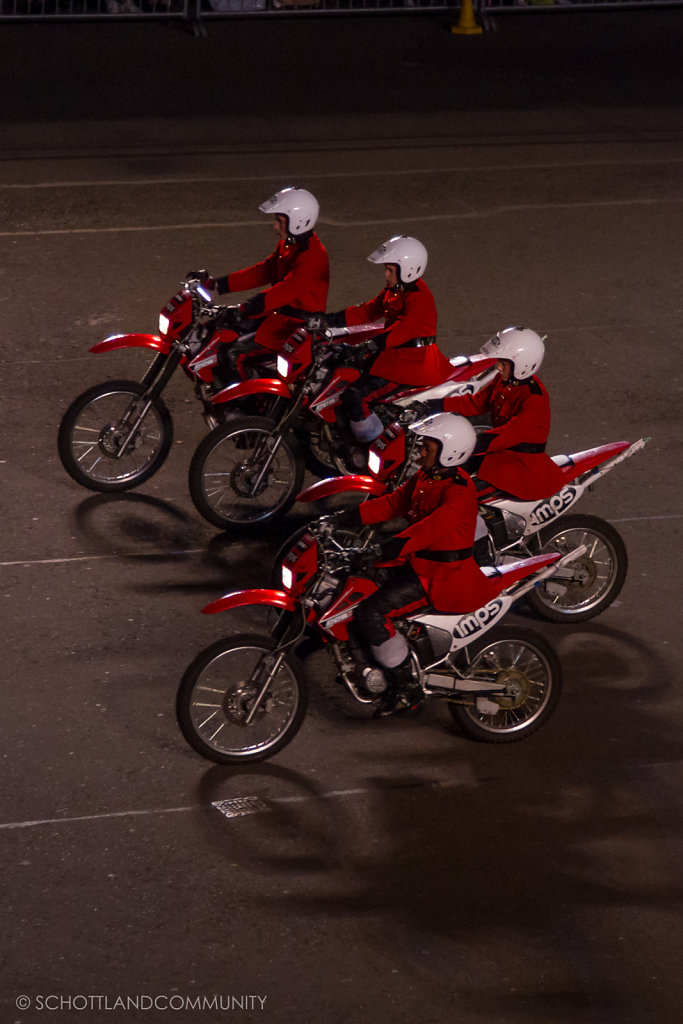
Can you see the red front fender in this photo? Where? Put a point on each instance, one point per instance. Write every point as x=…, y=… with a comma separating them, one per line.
x=341, y=485
x=259, y=386
x=239, y=598
x=133, y=341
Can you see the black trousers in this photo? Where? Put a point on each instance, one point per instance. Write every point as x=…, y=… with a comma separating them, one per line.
x=359, y=396
x=401, y=590
x=242, y=358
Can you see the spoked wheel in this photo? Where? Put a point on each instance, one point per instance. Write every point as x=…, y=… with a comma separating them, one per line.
x=530, y=670
x=317, y=451
x=244, y=474
x=105, y=421
x=584, y=588
x=227, y=709
x=330, y=451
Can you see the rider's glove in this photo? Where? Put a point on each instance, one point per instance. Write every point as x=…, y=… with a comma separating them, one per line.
x=348, y=517
x=253, y=307
x=483, y=441
x=229, y=316
x=391, y=549
x=364, y=561
x=317, y=322
x=432, y=406
x=201, y=275
x=358, y=355
x=368, y=350
x=222, y=285
x=336, y=319
x=371, y=349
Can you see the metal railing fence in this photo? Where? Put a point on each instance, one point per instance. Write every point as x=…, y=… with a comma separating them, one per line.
x=63, y=10
x=515, y=6
x=195, y=11
x=222, y=8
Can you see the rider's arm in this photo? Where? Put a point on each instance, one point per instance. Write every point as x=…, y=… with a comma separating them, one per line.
x=366, y=312
x=305, y=286
x=389, y=506
x=471, y=405
x=449, y=527
x=417, y=319
x=251, y=277
x=531, y=424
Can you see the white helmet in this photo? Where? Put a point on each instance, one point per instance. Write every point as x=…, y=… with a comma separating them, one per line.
x=298, y=205
x=454, y=433
x=523, y=347
x=407, y=252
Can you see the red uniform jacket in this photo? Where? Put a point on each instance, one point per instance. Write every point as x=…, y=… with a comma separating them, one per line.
x=298, y=273
x=520, y=414
x=409, y=312
x=442, y=513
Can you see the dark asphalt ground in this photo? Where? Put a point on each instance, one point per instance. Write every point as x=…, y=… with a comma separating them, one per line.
x=400, y=872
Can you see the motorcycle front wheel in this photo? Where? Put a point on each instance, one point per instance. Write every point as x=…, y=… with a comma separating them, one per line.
x=95, y=428
x=218, y=694
x=244, y=475
x=530, y=670
x=588, y=586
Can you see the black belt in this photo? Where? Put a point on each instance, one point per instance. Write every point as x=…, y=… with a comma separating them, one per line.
x=418, y=343
x=445, y=556
x=296, y=314
x=528, y=449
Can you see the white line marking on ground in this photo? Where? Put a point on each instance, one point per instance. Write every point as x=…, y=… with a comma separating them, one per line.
x=641, y=519
x=6, y=826
x=244, y=805
x=99, y=558
x=328, y=222
x=326, y=175
x=198, y=551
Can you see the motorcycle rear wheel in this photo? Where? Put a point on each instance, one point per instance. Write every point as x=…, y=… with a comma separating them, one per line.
x=215, y=698
x=90, y=435
x=598, y=575
x=529, y=667
x=226, y=466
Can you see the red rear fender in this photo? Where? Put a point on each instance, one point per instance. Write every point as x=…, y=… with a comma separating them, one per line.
x=152, y=341
x=259, y=386
x=462, y=368
x=506, y=575
x=240, y=598
x=581, y=462
x=341, y=485
x=466, y=367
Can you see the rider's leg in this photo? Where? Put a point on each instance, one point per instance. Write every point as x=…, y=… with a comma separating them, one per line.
x=358, y=400
x=402, y=593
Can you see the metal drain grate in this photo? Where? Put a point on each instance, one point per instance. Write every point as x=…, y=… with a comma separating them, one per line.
x=240, y=806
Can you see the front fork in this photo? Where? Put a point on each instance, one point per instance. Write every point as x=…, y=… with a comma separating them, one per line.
x=273, y=441
x=156, y=378
x=270, y=663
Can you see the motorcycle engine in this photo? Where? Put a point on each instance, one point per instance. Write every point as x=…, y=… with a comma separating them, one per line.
x=374, y=680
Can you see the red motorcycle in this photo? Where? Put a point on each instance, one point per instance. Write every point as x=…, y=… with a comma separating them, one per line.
x=579, y=591
x=245, y=697
x=248, y=471
x=116, y=435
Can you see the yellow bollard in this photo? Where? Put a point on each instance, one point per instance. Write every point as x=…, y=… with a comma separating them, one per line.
x=466, y=26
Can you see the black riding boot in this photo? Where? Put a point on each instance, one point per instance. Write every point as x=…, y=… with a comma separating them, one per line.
x=402, y=693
